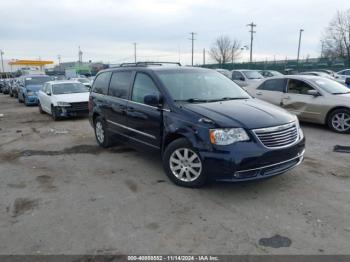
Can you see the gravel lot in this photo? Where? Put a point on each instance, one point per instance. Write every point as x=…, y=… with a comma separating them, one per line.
x=60, y=193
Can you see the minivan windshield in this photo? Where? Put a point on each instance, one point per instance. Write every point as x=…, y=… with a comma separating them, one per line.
x=252, y=74
x=69, y=88
x=200, y=86
x=331, y=86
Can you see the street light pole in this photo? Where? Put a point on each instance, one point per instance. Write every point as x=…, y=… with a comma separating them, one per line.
x=300, y=33
x=2, y=60
x=135, y=55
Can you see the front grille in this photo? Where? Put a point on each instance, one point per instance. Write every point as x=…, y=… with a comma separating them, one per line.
x=279, y=136
x=81, y=106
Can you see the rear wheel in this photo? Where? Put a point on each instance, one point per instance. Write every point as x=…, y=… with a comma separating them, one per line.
x=339, y=121
x=41, y=111
x=102, y=135
x=183, y=164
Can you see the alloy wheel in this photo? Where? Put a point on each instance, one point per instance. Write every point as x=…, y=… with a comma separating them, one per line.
x=100, y=132
x=341, y=122
x=185, y=164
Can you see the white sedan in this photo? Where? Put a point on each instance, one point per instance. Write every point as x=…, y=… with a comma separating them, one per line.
x=63, y=99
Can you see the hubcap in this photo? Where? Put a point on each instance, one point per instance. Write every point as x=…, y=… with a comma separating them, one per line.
x=185, y=164
x=341, y=122
x=99, y=132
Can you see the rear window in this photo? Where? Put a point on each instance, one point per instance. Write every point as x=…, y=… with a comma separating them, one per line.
x=101, y=83
x=37, y=80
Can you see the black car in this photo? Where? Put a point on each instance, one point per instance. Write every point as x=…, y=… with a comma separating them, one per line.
x=204, y=125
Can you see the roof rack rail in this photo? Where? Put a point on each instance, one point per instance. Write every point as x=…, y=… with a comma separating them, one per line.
x=148, y=63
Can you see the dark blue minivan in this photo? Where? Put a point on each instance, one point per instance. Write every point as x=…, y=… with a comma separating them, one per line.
x=204, y=125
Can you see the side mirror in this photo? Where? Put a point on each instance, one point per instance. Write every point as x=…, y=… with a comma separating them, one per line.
x=48, y=93
x=152, y=100
x=313, y=93
x=242, y=79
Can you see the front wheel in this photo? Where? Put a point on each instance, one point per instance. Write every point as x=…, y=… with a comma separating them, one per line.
x=41, y=111
x=339, y=121
x=102, y=135
x=183, y=164
x=54, y=113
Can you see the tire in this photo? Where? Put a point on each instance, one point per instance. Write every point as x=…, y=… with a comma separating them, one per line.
x=41, y=111
x=339, y=121
x=102, y=135
x=184, y=169
x=54, y=115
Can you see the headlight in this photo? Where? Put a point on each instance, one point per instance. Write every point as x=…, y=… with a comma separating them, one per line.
x=63, y=104
x=300, y=131
x=227, y=136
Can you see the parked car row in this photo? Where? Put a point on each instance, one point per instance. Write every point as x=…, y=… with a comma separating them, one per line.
x=245, y=77
x=59, y=98
x=204, y=125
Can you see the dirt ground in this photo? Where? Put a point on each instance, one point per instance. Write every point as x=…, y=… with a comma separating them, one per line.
x=61, y=194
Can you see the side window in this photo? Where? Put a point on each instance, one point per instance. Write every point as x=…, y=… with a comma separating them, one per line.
x=143, y=86
x=298, y=87
x=101, y=83
x=44, y=87
x=346, y=72
x=237, y=76
x=120, y=84
x=277, y=85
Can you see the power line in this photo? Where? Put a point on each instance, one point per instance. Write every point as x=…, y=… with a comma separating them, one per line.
x=192, y=39
x=252, y=32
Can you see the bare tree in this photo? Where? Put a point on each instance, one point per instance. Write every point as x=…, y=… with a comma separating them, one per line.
x=224, y=50
x=336, y=40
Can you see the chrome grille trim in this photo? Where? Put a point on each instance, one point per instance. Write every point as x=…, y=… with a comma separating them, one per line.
x=278, y=136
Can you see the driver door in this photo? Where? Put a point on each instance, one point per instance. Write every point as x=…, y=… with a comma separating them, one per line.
x=299, y=102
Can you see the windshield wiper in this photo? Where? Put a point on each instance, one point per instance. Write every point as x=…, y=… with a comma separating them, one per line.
x=229, y=98
x=341, y=93
x=192, y=100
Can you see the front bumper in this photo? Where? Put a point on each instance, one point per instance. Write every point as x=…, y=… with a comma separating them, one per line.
x=32, y=100
x=251, y=161
x=71, y=112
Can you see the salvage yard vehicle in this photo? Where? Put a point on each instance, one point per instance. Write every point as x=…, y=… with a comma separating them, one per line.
x=84, y=81
x=29, y=86
x=313, y=99
x=204, y=125
x=225, y=72
x=63, y=99
x=246, y=77
x=270, y=73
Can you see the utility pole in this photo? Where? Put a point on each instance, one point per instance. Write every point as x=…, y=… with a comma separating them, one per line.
x=300, y=33
x=204, y=56
x=252, y=32
x=135, y=55
x=192, y=39
x=2, y=60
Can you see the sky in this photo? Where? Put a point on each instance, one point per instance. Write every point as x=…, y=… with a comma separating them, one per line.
x=106, y=30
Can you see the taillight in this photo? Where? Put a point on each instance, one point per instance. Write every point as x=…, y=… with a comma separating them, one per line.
x=90, y=103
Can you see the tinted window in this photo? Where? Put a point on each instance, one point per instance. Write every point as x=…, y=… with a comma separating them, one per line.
x=298, y=87
x=120, y=84
x=237, y=76
x=143, y=86
x=277, y=85
x=101, y=83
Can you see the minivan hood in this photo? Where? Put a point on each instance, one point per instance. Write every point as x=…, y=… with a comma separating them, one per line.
x=248, y=113
x=74, y=97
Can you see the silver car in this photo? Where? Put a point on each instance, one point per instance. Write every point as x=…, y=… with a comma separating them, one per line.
x=246, y=77
x=313, y=99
